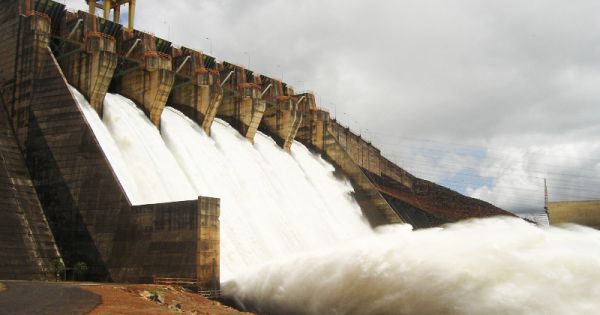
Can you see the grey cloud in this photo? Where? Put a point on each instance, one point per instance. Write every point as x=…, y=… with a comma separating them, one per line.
x=492, y=73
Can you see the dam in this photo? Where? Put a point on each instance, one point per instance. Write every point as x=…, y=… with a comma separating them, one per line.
x=84, y=102
x=144, y=159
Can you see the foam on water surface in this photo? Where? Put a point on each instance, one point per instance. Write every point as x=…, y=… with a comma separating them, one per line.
x=294, y=241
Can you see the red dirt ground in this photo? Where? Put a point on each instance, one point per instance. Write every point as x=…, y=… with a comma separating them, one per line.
x=130, y=299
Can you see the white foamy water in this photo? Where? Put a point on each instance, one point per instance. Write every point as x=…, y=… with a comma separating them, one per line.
x=487, y=266
x=109, y=147
x=156, y=173
x=273, y=204
x=293, y=241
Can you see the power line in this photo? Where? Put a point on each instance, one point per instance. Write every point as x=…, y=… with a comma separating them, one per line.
x=460, y=144
x=468, y=170
x=542, y=174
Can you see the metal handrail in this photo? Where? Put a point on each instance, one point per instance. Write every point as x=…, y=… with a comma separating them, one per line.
x=187, y=282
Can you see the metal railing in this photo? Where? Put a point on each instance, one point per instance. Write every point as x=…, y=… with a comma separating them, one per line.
x=189, y=283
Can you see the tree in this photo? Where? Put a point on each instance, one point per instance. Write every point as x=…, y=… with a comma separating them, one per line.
x=79, y=270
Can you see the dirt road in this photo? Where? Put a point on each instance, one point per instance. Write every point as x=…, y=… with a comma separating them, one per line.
x=32, y=297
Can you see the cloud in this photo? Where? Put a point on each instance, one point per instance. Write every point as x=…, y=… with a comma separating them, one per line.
x=518, y=77
x=571, y=171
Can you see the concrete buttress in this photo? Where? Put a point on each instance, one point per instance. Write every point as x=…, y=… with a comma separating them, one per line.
x=208, y=244
x=282, y=117
x=241, y=106
x=146, y=75
x=88, y=56
x=197, y=91
x=316, y=133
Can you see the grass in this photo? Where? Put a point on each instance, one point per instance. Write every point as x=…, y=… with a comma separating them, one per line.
x=157, y=291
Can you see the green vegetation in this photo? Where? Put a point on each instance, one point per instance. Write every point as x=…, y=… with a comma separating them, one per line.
x=157, y=295
x=79, y=270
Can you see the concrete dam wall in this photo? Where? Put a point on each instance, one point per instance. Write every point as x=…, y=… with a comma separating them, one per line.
x=73, y=193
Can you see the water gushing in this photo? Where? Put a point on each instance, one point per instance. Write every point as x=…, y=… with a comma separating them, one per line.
x=293, y=240
x=157, y=175
x=486, y=266
x=273, y=204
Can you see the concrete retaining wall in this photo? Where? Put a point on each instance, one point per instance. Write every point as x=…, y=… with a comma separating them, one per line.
x=579, y=212
x=27, y=247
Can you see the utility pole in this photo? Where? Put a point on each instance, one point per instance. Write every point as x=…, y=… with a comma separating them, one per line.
x=545, y=197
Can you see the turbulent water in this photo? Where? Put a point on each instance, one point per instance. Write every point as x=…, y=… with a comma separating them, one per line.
x=154, y=168
x=110, y=148
x=490, y=266
x=144, y=165
x=293, y=240
x=273, y=204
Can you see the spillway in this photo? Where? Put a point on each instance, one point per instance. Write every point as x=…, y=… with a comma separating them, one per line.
x=153, y=166
x=110, y=148
x=265, y=192
x=294, y=241
x=273, y=204
x=144, y=165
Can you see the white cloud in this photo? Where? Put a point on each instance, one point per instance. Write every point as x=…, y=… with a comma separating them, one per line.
x=516, y=76
x=571, y=170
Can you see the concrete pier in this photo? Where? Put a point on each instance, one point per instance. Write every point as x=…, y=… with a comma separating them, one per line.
x=25, y=37
x=241, y=106
x=197, y=91
x=145, y=75
x=282, y=118
x=313, y=129
x=208, y=244
x=87, y=55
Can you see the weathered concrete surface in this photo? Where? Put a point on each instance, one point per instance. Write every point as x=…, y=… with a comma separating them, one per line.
x=197, y=91
x=76, y=185
x=362, y=152
x=84, y=202
x=585, y=212
x=282, y=117
x=88, y=210
x=178, y=239
x=147, y=78
x=316, y=135
x=27, y=247
x=25, y=38
x=381, y=185
x=33, y=297
x=208, y=244
x=425, y=204
x=88, y=56
x=436, y=204
x=241, y=105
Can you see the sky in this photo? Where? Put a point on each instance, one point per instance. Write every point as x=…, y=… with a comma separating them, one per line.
x=486, y=97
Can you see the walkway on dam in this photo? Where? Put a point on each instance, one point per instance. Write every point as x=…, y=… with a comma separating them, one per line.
x=36, y=297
